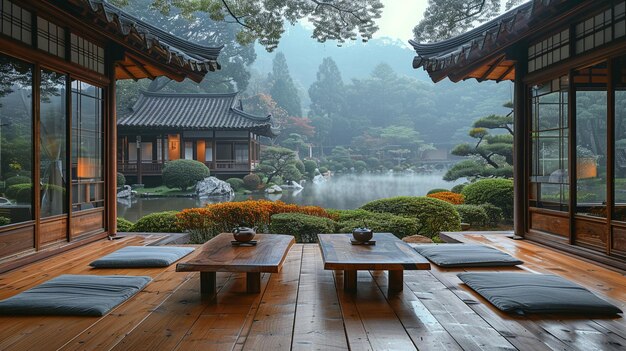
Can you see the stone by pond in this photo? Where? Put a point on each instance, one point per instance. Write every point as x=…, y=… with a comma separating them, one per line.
x=340, y=192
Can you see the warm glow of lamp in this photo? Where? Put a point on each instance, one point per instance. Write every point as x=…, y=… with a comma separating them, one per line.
x=87, y=168
x=586, y=168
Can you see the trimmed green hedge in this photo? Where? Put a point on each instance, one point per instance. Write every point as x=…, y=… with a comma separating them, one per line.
x=458, y=188
x=378, y=222
x=158, y=222
x=494, y=214
x=475, y=215
x=13, y=190
x=235, y=183
x=252, y=181
x=303, y=227
x=183, y=174
x=17, y=180
x=124, y=225
x=497, y=191
x=432, y=215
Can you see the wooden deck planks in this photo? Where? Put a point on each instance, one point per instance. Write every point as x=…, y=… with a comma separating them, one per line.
x=318, y=324
x=304, y=307
x=272, y=326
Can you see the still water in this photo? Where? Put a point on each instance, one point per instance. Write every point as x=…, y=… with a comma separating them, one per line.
x=341, y=192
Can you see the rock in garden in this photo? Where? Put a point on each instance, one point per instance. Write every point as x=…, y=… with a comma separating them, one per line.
x=126, y=192
x=274, y=189
x=212, y=186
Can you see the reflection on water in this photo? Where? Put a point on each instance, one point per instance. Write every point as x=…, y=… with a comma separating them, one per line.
x=342, y=192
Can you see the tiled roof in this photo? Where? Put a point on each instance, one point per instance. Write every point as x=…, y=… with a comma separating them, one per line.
x=193, y=111
x=192, y=59
x=480, y=53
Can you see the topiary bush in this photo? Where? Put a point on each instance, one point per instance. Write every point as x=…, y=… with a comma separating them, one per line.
x=12, y=191
x=400, y=226
x=303, y=227
x=17, y=180
x=24, y=194
x=184, y=174
x=235, y=183
x=458, y=188
x=158, y=222
x=494, y=214
x=436, y=190
x=310, y=168
x=475, y=215
x=252, y=181
x=124, y=225
x=433, y=215
x=497, y=191
x=121, y=180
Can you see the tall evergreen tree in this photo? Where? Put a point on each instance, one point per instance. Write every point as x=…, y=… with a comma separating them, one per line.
x=283, y=90
x=327, y=95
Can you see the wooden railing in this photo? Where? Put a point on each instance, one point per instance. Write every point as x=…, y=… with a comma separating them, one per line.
x=156, y=167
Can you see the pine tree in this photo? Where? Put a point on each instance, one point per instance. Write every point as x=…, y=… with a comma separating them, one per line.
x=283, y=90
x=327, y=95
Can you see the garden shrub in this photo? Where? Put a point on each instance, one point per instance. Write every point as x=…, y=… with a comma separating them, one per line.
x=379, y=222
x=436, y=190
x=12, y=191
x=449, y=197
x=303, y=227
x=310, y=167
x=204, y=223
x=158, y=222
x=360, y=166
x=17, y=180
x=184, y=174
x=24, y=194
x=124, y=225
x=475, y=215
x=235, y=183
x=121, y=180
x=498, y=192
x=433, y=215
x=300, y=166
x=494, y=214
x=458, y=188
x=4, y=220
x=252, y=181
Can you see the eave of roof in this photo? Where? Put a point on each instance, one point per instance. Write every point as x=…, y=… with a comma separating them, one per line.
x=481, y=53
x=168, y=111
x=177, y=56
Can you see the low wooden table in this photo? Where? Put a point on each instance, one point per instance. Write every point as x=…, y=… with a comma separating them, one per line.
x=389, y=253
x=219, y=255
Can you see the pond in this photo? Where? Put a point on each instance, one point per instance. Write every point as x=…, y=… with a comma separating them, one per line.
x=341, y=192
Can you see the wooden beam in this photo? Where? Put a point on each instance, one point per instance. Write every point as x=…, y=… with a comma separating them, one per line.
x=140, y=65
x=520, y=150
x=132, y=76
x=494, y=65
x=506, y=73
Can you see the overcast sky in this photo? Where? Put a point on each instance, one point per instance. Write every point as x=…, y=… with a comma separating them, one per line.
x=399, y=17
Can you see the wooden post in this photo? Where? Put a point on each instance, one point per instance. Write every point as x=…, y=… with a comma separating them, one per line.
x=396, y=281
x=610, y=160
x=520, y=149
x=208, y=284
x=138, y=146
x=253, y=282
x=113, y=55
x=36, y=154
x=349, y=280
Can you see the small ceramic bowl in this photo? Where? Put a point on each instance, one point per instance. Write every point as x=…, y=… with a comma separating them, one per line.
x=362, y=234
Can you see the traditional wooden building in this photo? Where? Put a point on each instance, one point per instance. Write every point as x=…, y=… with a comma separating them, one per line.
x=210, y=128
x=568, y=62
x=59, y=61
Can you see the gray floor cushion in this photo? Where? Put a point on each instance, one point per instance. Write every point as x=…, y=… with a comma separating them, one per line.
x=75, y=295
x=465, y=255
x=523, y=293
x=142, y=257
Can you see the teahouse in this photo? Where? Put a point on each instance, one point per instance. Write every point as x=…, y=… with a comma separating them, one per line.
x=210, y=128
x=568, y=61
x=59, y=61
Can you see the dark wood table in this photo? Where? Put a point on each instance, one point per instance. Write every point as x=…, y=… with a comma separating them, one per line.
x=219, y=255
x=389, y=253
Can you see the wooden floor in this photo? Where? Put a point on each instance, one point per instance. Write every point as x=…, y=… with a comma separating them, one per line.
x=304, y=308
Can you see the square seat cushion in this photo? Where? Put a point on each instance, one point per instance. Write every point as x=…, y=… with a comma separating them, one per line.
x=142, y=257
x=524, y=293
x=74, y=295
x=465, y=255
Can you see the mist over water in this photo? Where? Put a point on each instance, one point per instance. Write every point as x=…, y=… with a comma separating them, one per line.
x=340, y=192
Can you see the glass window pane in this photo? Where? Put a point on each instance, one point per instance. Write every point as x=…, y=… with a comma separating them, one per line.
x=53, y=136
x=241, y=153
x=16, y=141
x=188, y=150
x=619, y=213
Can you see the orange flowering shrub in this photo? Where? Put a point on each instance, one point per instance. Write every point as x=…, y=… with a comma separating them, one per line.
x=448, y=196
x=204, y=223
